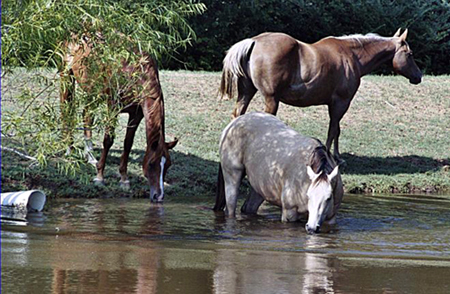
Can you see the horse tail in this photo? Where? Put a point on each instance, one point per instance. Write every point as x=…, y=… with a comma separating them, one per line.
x=220, y=194
x=234, y=66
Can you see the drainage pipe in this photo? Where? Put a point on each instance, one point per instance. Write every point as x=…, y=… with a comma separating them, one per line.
x=32, y=200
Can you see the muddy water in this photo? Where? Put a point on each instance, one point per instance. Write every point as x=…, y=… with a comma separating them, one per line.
x=390, y=244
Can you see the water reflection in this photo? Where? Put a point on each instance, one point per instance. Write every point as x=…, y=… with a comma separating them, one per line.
x=319, y=276
x=274, y=272
x=105, y=271
x=130, y=246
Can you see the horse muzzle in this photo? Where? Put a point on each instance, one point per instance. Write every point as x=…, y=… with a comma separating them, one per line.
x=157, y=199
x=312, y=230
x=416, y=80
x=156, y=196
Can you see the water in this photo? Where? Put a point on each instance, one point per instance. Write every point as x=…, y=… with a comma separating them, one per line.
x=390, y=244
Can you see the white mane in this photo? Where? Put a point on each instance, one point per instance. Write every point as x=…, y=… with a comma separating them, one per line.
x=361, y=38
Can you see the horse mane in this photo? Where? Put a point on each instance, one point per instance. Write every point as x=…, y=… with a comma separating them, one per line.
x=320, y=163
x=362, y=40
x=156, y=132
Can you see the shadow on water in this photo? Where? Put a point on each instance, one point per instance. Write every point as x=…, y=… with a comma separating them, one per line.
x=411, y=164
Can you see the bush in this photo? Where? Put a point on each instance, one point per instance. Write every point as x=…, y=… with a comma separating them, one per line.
x=227, y=22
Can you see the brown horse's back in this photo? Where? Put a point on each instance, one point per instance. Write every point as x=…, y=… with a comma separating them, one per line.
x=274, y=62
x=289, y=70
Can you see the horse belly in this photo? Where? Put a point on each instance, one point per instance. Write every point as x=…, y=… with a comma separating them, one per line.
x=268, y=186
x=299, y=95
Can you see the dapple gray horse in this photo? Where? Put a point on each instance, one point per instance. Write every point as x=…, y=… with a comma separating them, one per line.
x=289, y=170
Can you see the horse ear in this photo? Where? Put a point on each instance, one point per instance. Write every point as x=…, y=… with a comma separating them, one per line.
x=312, y=175
x=403, y=36
x=172, y=144
x=333, y=173
x=397, y=34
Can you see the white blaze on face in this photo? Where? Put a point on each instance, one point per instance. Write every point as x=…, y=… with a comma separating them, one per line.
x=319, y=198
x=318, y=203
x=161, y=180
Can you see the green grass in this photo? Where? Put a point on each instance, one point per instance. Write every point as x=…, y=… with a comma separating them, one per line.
x=395, y=138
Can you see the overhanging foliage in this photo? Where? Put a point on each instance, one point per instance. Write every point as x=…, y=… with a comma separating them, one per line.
x=35, y=35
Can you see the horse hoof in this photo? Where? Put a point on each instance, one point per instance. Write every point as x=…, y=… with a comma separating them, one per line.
x=93, y=162
x=99, y=182
x=341, y=162
x=91, y=159
x=125, y=185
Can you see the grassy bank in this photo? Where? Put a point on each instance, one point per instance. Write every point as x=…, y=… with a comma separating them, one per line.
x=395, y=138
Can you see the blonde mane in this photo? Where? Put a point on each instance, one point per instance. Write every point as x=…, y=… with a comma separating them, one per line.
x=364, y=39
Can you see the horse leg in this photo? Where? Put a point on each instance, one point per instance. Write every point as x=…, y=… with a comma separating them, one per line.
x=67, y=90
x=246, y=91
x=272, y=103
x=336, y=111
x=108, y=141
x=232, y=180
x=133, y=122
x=252, y=203
x=220, y=192
x=289, y=213
x=88, y=148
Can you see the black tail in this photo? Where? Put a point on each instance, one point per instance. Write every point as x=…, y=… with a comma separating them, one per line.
x=220, y=194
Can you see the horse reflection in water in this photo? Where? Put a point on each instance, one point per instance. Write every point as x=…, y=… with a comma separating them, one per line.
x=327, y=72
x=110, y=263
x=283, y=167
x=270, y=272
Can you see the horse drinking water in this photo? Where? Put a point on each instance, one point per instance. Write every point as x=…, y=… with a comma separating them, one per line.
x=283, y=167
x=140, y=95
x=299, y=74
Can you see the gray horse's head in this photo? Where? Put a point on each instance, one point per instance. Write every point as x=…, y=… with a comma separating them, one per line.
x=320, y=198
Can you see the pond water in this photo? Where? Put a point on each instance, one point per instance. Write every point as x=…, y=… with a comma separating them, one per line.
x=381, y=244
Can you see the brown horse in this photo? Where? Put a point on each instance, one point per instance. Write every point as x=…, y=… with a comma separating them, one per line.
x=326, y=72
x=140, y=96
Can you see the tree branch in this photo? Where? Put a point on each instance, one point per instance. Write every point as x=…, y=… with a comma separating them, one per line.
x=19, y=153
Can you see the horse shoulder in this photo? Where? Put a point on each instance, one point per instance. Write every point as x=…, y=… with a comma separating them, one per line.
x=294, y=194
x=311, y=63
x=296, y=180
x=342, y=68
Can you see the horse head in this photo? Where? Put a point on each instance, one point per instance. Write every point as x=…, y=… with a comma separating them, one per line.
x=403, y=60
x=156, y=166
x=320, y=198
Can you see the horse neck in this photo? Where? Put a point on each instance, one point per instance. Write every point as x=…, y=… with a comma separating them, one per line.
x=371, y=54
x=152, y=95
x=155, y=120
x=320, y=160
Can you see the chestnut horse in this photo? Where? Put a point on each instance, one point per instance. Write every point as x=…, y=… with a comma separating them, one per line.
x=140, y=96
x=327, y=72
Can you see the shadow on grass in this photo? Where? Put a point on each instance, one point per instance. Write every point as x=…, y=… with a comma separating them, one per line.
x=189, y=175
x=410, y=164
